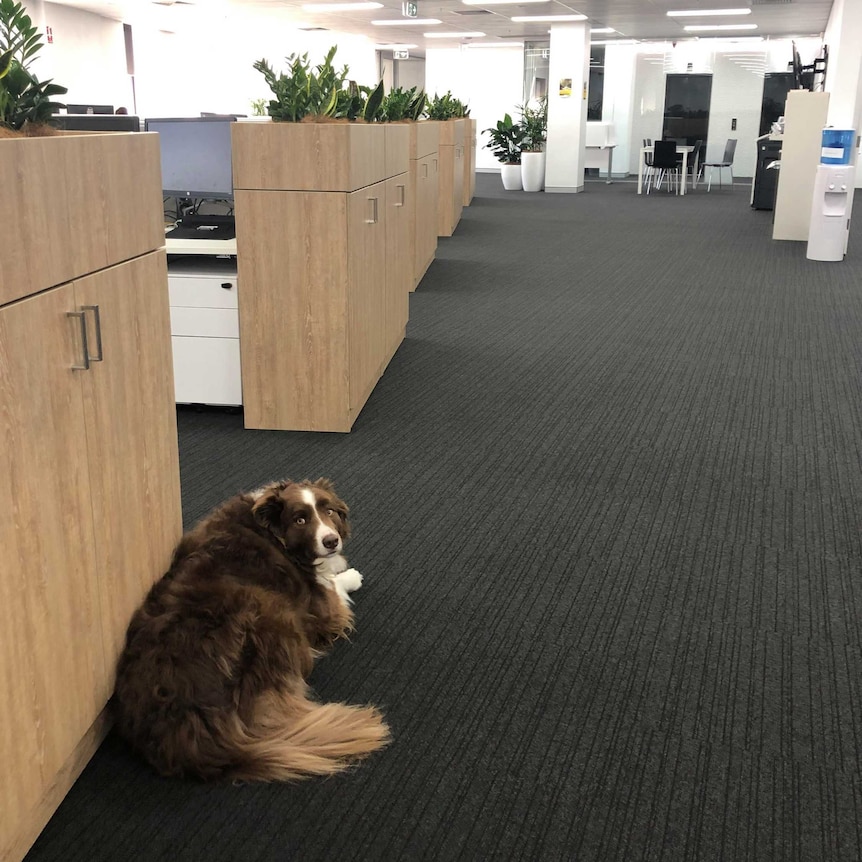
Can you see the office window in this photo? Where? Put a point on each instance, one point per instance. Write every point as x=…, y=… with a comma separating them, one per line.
x=686, y=108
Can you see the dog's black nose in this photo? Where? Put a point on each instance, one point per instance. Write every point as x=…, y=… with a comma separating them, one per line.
x=330, y=542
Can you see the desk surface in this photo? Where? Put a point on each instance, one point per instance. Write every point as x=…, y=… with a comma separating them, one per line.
x=201, y=246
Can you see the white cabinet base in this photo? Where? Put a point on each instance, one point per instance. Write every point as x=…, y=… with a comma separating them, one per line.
x=205, y=331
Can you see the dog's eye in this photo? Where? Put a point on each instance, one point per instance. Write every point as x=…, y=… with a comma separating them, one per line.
x=299, y=521
x=330, y=512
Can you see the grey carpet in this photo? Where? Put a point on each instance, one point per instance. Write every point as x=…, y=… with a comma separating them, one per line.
x=607, y=502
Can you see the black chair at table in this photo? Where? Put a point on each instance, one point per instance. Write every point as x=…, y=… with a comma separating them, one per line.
x=647, y=159
x=664, y=163
x=726, y=162
x=695, y=159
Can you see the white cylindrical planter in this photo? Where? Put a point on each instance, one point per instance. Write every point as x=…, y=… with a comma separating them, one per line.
x=533, y=171
x=511, y=176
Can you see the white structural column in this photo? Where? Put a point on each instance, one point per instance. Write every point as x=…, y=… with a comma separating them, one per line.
x=567, y=114
x=844, y=71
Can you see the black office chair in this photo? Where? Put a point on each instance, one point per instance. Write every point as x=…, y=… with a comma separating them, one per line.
x=647, y=142
x=664, y=163
x=695, y=157
x=726, y=162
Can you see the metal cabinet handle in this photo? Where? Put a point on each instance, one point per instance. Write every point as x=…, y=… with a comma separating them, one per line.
x=425, y=168
x=83, y=322
x=373, y=219
x=403, y=195
x=95, y=309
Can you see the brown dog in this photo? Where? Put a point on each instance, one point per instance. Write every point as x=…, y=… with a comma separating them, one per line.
x=211, y=682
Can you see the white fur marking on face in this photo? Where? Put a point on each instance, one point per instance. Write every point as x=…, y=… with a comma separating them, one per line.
x=323, y=531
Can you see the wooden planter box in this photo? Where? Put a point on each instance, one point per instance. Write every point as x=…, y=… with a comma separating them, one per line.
x=323, y=245
x=73, y=206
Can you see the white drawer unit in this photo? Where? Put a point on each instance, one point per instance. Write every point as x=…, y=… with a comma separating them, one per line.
x=205, y=331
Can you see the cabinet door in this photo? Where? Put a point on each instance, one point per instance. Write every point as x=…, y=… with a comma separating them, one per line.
x=445, y=190
x=51, y=658
x=399, y=264
x=292, y=260
x=366, y=231
x=131, y=438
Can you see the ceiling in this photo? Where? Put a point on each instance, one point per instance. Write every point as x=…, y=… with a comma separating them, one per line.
x=630, y=19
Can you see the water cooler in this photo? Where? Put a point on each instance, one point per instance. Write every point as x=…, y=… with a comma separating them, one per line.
x=833, y=196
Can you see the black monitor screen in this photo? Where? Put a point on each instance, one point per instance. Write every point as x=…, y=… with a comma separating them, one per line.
x=196, y=156
x=90, y=109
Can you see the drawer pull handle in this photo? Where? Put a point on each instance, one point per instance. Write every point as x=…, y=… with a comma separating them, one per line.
x=403, y=193
x=373, y=219
x=83, y=322
x=95, y=309
x=227, y=285
x=425, y=169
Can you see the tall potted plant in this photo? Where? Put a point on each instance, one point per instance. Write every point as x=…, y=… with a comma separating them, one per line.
x=505, y=141
x=535, y=123
x=25, y=102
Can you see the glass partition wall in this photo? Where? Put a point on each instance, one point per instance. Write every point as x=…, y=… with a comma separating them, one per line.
x=707, y=90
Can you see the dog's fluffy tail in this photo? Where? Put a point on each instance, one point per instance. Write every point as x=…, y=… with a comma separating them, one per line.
x=294, y=737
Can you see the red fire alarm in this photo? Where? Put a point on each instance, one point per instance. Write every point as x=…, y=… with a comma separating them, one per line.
x=49, y=35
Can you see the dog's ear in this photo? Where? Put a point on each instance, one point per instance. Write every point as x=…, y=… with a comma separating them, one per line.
x=268, y=509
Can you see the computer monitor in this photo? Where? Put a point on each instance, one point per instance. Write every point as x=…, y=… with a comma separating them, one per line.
x=90, y=109
x=96, y=122
x=196, y=156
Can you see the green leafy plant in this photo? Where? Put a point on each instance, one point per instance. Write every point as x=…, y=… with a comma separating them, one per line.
x=23, y=98
x=446, y=107
x=322, y=92
x=505, y=140
x=535, y=123
x=400, y=104
x=258, y=107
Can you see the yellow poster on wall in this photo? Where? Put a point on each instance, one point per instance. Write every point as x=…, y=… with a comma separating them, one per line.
x=565, y=87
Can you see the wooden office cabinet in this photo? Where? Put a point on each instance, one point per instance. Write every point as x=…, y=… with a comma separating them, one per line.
x=90, y=467
x=327, y=305
x=450, y=185
x=424, y=164
x=469, y=161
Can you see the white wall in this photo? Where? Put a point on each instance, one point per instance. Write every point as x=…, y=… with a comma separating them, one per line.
x=490, y=80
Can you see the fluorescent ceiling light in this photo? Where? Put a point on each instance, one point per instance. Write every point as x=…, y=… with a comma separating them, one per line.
x=500, y=2
x=702, y=13
x=340, y=7
x=406, y=22
x=733, y=39
x=473, y=35
x=549, y=18
x=602, y=30
x=394, y=47
x=613, y=41
x=700, y=28
x=495, y=44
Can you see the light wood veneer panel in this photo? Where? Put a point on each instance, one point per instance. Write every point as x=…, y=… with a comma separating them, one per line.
x=80, y=203
x=308, y=156
x=292, y=264
x=51, y=659
x=131, y=439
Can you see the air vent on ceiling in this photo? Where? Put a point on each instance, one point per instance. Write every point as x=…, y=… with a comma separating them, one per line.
x=472, y=12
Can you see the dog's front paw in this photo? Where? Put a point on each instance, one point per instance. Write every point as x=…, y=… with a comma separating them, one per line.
x=349, y=580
